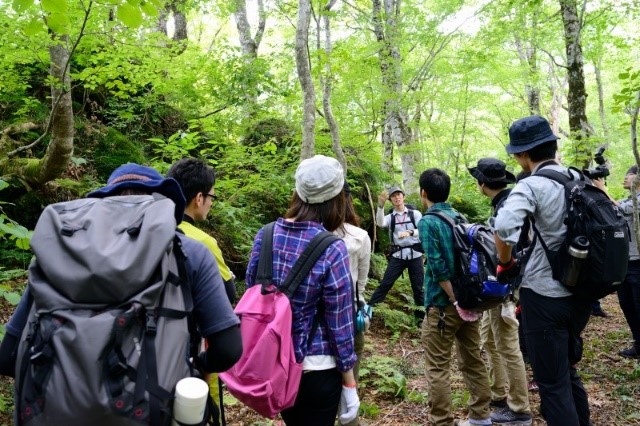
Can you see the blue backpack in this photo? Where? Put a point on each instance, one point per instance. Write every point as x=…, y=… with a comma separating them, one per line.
x=474, y=283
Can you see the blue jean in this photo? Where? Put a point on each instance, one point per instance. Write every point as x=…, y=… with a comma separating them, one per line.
x=629, y=298
x=552, y=327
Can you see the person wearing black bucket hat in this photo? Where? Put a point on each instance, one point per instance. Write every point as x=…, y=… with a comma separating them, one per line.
x=553, y=319
x=499, y=328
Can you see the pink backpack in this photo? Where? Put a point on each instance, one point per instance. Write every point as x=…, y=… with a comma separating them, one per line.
x=267, y=376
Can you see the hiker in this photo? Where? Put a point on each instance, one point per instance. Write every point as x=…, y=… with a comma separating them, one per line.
x=553, y=318
x=196, y=179
x=323, y=303
x=499, y=327
x=629, y=291
x=405, y=250
x=443, y=323
x=212, y=312
x=359, y=248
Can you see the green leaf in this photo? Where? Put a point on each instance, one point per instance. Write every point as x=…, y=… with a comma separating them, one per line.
x=21, y=5
x=11, y=297
x=58, y=22
x=3, y=184
x=34, y=27
x=55, y=6
x=129, y=15
x=22, y=243
x=149, y=9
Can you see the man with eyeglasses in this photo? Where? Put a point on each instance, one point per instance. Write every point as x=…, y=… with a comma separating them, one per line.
x=196, y=179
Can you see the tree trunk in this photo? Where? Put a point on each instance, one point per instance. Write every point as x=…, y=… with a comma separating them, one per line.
x=528, y=58
x=396, y=131
x=306, y=82
x=577, y=96
x=37, y=172
x=249, y=46
x=601, y=112
x=162, y=21
x=180, y=22
x=326, y=81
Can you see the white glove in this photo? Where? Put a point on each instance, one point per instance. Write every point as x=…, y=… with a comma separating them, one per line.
x=349, y=405
x=508, y=313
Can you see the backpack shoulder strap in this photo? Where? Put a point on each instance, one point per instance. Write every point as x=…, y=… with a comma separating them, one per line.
x=305, y=262
x=264, y=275
x=444, y=217
x=411, y=218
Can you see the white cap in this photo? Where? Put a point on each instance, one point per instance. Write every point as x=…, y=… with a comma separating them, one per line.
x=319, y=179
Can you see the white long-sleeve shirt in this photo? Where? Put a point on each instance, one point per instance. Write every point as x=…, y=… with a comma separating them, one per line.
x=359, y=248
x=402, y=223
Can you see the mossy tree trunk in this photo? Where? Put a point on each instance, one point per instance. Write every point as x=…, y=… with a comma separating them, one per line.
x=38, y=171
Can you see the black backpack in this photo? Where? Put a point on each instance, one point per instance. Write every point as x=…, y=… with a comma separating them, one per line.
x=474, y=282
x=590, y=214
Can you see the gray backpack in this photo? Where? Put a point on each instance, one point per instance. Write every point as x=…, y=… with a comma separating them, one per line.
x=108, y=334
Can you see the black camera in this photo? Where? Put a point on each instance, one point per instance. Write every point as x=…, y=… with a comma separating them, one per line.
x=601, y=170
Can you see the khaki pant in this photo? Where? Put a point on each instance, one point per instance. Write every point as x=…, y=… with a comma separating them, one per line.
x=507, y=372
x=438, y=346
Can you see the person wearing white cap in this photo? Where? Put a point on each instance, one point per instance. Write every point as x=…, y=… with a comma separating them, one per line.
x=324, y=297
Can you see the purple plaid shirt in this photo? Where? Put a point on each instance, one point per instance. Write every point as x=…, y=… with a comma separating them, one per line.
x=328, y=280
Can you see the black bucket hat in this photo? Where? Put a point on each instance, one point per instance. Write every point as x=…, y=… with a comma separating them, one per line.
x=492, y=170
x=529, y=132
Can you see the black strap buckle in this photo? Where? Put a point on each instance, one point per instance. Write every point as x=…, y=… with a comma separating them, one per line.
x=151, y=323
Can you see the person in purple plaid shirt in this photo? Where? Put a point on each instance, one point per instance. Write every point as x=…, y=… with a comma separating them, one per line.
x=317, y=205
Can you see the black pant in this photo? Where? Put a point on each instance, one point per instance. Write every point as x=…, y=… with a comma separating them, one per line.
x=395, y=268
x=629, y=298
x=552, y=327
x=317, y=400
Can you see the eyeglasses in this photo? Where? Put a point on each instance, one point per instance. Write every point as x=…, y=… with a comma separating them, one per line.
x=212, y=196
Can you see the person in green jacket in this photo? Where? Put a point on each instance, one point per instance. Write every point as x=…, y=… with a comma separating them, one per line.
x=196, y=179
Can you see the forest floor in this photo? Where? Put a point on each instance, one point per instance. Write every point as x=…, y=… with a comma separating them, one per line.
x=612, y=382
x=394, y=391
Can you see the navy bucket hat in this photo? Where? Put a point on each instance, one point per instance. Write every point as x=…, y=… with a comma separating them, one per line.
x=135, y=176
x=529, y=132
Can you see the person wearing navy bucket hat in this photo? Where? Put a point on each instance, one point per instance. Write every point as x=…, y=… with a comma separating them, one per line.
x=116, y=248
x=499, y=327
x=553, y=319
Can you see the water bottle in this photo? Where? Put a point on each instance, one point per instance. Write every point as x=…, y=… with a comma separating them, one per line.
x=578, y=252
x=190, y=402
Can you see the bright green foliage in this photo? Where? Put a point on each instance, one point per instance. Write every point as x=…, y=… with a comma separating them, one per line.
x=382, y=375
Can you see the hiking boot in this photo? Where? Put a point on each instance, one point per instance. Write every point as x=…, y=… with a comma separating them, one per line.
x=509, y=417
x=499, y=403
x=598, y=312
x=632, y=352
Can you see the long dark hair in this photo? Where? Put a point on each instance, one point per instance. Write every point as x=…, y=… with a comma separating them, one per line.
x=330, y=213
